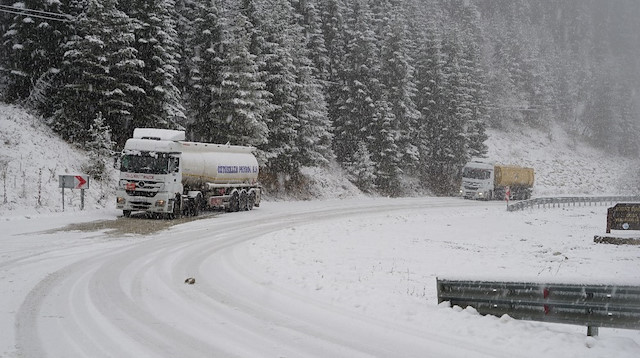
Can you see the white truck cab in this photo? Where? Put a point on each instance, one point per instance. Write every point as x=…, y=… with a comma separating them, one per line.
x=478, y=181
x=150, y=172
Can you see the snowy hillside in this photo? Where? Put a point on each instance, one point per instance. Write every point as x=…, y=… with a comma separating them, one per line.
x=563, y=166
x=31, y=159
x=32, y=156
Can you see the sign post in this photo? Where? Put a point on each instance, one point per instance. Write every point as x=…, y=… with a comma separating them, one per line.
x=74, y=182
x=507, y=194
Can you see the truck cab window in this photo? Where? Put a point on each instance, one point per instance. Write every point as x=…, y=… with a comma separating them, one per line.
x=174, y=165
x=144, y=163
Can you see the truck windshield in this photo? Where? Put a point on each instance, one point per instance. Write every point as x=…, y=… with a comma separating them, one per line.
x=476, y=173
x=145, y=162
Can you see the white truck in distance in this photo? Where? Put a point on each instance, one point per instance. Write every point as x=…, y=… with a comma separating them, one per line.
x=485, y=181
x=162, y=174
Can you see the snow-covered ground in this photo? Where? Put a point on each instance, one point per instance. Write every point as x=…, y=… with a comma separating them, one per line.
x=353, y=277
x=333, y=278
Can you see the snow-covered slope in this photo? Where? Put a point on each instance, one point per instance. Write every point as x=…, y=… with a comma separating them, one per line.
x=564, y=166
x=33, y=157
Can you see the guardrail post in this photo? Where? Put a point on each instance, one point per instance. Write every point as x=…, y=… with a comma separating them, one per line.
x=592, y=331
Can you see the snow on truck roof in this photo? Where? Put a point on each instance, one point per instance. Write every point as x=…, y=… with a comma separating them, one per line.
x=158, y=134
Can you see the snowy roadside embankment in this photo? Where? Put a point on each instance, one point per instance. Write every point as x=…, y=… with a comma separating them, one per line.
x=385, y=265
x=32, y=157
x=564, y=166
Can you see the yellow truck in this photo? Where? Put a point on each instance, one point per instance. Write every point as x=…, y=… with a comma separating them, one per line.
x=486, y=181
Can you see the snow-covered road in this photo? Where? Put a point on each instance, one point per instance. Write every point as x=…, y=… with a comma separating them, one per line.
x=94, y=294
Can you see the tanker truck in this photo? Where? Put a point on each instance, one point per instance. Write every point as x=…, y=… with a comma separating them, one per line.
x=486, y=181
x=166, y=176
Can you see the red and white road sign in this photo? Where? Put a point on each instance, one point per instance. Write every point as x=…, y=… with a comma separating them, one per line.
x=74, y=181
x=507, y=193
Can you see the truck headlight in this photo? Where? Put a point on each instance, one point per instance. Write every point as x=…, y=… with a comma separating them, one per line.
x=160, y=203
x=121, y=200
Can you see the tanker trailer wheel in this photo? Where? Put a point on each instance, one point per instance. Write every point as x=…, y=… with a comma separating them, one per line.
x=198, y=204
x=234, y=202
x=251, y=201
x=193, y=208
x=202, y=204
x=243, y=200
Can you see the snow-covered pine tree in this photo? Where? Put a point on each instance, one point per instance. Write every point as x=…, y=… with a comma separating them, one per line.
x=428, y=62
x=397, y=79
x=85, y=72
x=333, y=30
x=186, y=12
x=313, y=137
x=361, y=88
x=277, y=49
x=98, y=64
x=100, y=149
x=309, y=17
x=208, y=47
x=125, y=72
x=31, y=48
x=240, y=110
x=363, y=169
x=160, y=105
x=448, y=153
x=383, y=149
x=473, y=95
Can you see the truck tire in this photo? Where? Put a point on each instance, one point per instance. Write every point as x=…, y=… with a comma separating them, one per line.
x=177, y=209
x=202, y=204
x=194, y=208
x=126, y=213
x=234, y=203
x=251, y=201
x=243, y=201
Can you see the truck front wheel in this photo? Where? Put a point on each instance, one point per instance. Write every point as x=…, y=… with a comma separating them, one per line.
x=126, y=213
x=177, y=208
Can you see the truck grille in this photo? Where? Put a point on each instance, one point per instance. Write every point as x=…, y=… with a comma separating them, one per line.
x=471, y=186
x=147, y=194
x=140, y=205
x=142, y=188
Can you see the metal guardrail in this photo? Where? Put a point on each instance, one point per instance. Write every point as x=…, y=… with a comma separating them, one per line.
x=570, y=201
x=586, y=305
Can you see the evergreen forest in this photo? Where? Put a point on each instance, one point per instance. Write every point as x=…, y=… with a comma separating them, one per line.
x=390, y=90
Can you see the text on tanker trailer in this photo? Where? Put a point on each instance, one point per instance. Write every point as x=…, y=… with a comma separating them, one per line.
x=161, y=173
x=487, y=181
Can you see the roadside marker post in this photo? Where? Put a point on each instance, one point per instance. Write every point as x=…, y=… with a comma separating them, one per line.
x=507, y=194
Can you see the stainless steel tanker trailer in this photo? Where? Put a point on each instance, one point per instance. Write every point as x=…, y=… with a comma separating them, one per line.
x=162, y=174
